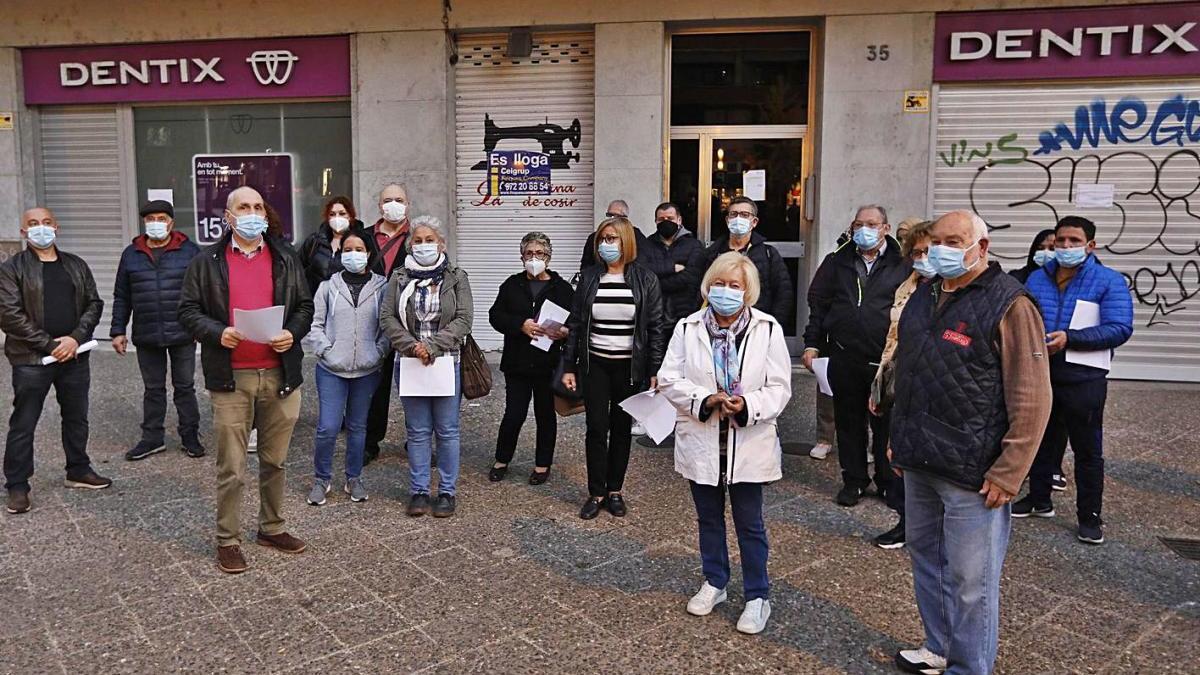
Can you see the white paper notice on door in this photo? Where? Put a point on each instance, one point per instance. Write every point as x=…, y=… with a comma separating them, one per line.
x=1087, y=315
x=1094, y=196
x=754, y=184
x=417, y=379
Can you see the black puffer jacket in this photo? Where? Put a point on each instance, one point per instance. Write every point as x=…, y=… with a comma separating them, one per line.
x=850, y=316
x=150, y=290
x=513, y=306
x=317, y=255
x=204, y=311
x=650, y=330
x=21, y=301
x=778, y=296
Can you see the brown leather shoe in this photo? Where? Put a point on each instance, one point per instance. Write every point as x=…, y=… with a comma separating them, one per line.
x=282, y=541
x=18, y=501
x=230, y=560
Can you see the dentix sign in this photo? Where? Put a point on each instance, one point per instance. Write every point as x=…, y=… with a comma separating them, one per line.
x=188, y=71
x=1086, y=42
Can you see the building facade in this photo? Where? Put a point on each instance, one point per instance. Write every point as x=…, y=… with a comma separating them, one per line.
x=507, y=117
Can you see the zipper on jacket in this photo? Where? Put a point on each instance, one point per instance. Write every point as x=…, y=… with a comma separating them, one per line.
x=733, y=429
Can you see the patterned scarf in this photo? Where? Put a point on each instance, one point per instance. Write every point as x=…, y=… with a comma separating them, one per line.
x=725, y=353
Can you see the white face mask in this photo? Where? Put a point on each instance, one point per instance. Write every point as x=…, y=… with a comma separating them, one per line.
x=339, y=223
x=535, y=267
x=394, y=212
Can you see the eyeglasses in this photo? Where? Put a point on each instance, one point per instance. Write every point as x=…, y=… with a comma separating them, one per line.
x=539, y=255
x=610, y=239
x=740, y=214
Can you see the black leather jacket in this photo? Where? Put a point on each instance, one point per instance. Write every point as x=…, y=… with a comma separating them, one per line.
x=204, y=311
x=25, y=342
x=650, y=328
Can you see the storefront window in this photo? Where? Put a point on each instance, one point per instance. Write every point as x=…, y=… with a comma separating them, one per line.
x=740, y=78
x=317, y=135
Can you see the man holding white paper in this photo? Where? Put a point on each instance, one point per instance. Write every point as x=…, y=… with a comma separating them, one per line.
x=1088, y=312
x=48, y=307
x=252, y=384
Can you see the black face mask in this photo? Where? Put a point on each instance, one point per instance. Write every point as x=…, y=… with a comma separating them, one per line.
x=667, y=228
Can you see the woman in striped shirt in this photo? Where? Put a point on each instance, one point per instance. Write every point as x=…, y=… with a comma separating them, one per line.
x=614, y=349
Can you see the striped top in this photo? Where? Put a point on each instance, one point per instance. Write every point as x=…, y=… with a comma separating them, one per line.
x=612, y=319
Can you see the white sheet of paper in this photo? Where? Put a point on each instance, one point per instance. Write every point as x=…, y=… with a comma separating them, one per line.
x=259, y=325
x=1087, y=315
x=654, y=411
x=821, y=370
x=551, y=316
x=417, y=379
x=83, y=348
x=167, y=195
x=754, y=184
x=1094, y=196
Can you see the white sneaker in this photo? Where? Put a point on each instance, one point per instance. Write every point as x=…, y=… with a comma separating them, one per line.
x=252, y=443
x=638, y=429
x=820, y=451
x=920, y=661
x=703, y=602
x=754, y=617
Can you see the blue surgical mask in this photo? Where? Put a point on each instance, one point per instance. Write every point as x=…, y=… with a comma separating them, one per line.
x=1071, y=257
x=1040, y=258
x=925, y=267
x=156, y=230
x=739, y=226
x=609, y=253
x=354, y=261
x=866, y=238
x=948, y=261
x=250, y=226
x=726, y=301
x=425, y=254
x=41, y=236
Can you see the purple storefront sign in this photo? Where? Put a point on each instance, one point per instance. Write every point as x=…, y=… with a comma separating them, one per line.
x=1128, y=41
x=215, y=176
x=188, y=71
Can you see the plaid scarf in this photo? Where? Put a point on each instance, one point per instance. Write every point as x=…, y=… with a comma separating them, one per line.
x=725, y=353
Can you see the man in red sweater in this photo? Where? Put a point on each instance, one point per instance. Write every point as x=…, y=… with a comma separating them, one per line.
x=252, y=384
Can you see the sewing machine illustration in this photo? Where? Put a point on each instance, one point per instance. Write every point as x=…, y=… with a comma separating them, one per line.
x=552, y=137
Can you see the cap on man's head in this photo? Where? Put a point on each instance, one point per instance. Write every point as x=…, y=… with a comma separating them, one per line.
x=157, y=206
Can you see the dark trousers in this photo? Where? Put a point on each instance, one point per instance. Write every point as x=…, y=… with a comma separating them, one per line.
x=31, y=384
x=746, y=501
x=1076, y=415
x=518, y=390
x=152, y=361
x=851, y=384
x=381, y=402
x=605, y=385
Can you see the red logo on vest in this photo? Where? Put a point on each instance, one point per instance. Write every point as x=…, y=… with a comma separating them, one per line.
x=958, y=335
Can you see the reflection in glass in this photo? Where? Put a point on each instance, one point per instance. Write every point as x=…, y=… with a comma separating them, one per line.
x=740, y=78
x=779, y=213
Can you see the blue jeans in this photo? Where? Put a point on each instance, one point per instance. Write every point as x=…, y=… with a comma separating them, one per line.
x=425, y=417
x=957, y=546
x=746, y=502
x=342, y=399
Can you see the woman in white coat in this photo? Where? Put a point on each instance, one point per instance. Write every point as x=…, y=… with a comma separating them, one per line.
x=728, y=373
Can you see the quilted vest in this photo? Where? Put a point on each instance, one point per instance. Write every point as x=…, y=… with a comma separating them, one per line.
x=949, y=415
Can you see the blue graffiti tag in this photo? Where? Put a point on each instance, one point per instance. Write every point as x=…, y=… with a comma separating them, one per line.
x=1175, y=120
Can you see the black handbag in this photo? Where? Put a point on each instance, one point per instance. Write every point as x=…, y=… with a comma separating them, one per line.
x=566, y=402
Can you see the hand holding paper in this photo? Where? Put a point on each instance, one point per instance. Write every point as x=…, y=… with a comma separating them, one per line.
x=415, y=378
x=259, y=325
x=551, y=319
x=1087, y=315
x=81, y=349
x=821, y=370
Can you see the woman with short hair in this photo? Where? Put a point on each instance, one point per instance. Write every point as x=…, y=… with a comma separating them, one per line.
x=427, y=312
x=615, y=346
x=728, y=373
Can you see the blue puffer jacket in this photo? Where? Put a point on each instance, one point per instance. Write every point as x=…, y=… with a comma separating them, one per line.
x=150, y=292
x=1094, y=283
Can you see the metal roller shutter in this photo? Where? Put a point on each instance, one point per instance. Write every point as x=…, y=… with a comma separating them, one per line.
x=81, y=183
x=1018, y=154
x=543, y=103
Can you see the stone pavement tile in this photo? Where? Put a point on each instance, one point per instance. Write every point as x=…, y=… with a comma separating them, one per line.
x=673, y=648
x=80, y=632
x=642, y=612
x=560, y=634
x=30, y=652
x=1026, y=661
x=451, y=566
x=120, y=655
x=227, y=591
x=333, y=596
x=282, y=634
x=364, y=623
x=405, y=652
x=206, y=645
x=165, y=609
x=1067, y=649
x=511, y=657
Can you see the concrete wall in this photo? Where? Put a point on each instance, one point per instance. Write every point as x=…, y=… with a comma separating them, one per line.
x=400, y=121
x=629, y=118
x=870, y=150
x=17, y=179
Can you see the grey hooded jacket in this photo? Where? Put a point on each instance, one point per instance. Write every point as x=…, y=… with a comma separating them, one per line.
x=347, y=339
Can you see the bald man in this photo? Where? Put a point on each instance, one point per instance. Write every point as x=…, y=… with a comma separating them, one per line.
x=251, y=383
x=48, y=307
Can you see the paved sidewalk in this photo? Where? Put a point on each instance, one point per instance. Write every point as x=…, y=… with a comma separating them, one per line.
x=124, y=580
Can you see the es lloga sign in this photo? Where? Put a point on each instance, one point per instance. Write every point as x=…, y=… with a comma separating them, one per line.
x=1126, y=41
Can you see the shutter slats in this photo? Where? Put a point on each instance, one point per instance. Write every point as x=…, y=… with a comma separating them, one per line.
x=1150, y=235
